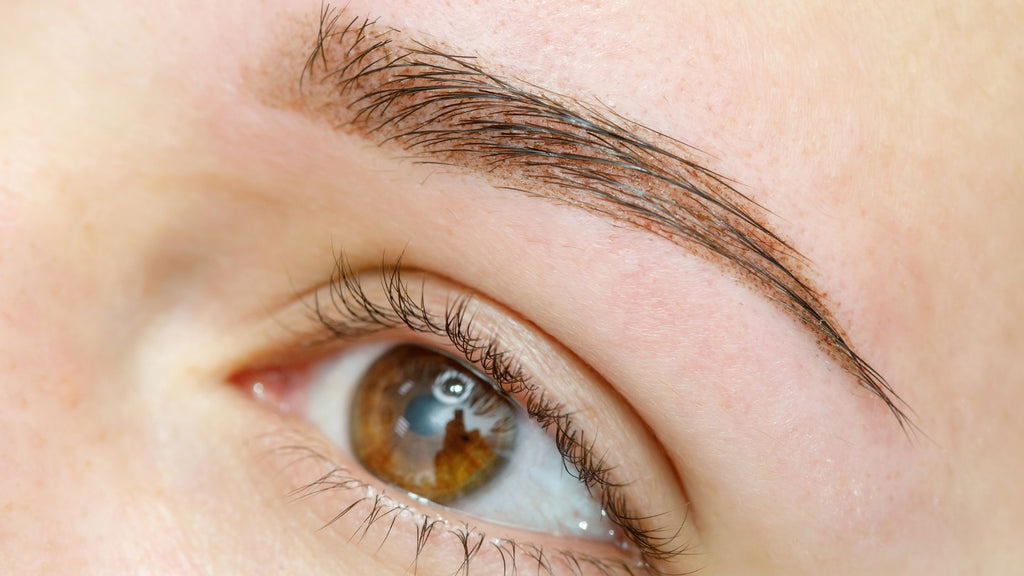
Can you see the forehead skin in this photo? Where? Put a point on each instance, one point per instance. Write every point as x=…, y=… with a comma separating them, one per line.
x=142, y=185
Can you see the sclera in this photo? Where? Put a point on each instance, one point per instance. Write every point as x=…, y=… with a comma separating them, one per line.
x=534, y=491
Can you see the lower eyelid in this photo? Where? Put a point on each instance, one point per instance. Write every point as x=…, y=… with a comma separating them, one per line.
x=352, y=510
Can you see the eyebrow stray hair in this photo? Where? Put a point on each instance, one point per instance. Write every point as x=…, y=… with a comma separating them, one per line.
x=444, y=108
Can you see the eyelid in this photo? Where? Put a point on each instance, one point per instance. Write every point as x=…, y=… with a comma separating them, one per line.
x=660, y=508
x=351, y=508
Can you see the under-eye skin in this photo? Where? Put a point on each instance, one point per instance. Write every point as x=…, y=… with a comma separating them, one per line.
x=443, y=338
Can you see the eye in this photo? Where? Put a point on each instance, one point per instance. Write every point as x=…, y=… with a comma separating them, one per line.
x=438, y=429
x=456, y=430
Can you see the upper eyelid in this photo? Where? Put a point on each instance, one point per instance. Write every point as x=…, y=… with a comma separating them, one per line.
x=373, y=81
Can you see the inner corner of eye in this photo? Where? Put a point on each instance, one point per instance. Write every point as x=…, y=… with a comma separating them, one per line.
x=439, y=431
x=282, y=387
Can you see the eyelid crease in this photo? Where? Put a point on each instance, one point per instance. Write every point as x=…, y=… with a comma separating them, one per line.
x=351, y=313
x=367, y=79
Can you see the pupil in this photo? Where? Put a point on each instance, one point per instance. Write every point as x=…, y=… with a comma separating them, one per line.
x=431, y=425
x=426, y=416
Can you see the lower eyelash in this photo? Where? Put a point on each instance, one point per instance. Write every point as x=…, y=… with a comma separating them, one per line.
x=514, y=555
x=350, y=313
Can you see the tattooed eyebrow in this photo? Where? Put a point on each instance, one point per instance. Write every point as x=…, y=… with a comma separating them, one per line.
x=439, y=107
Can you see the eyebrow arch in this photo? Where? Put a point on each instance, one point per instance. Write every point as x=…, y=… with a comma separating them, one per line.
x=441, y=108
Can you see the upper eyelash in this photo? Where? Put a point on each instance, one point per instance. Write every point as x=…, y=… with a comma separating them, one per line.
x=349, y=313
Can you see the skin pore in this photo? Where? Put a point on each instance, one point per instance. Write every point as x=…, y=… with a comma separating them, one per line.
x=166, y=216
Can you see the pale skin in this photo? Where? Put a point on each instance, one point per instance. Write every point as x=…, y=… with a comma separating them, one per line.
x=159, y=215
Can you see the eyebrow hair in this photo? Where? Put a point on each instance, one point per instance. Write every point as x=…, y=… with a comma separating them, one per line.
x=444, y=108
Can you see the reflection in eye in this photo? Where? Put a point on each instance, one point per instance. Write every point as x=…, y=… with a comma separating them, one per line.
x=441, y=431
x=425, y=423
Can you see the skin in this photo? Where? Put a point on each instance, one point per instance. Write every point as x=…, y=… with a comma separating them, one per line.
x=159, y=212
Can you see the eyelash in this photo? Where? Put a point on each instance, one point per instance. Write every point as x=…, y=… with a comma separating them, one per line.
x=471, y=540
x=348, y=314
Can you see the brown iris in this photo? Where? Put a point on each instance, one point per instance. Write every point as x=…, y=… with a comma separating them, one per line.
x=429, y=424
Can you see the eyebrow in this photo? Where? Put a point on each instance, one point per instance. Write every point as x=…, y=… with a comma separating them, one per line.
x=442, y=108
